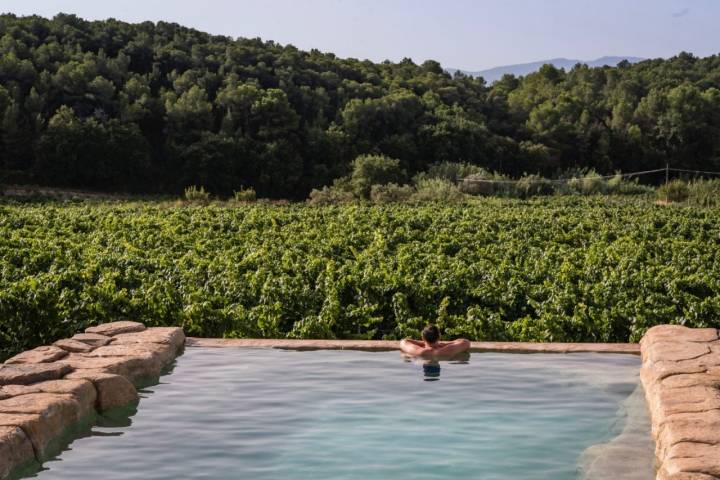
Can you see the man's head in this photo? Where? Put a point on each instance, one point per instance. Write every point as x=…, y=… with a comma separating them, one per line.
x=431, y=334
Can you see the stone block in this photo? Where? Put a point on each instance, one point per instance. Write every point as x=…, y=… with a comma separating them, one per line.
x=116, y=328
x=25, y=374
x=44, y=354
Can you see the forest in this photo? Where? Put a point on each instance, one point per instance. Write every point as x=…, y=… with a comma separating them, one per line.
x=156, y=107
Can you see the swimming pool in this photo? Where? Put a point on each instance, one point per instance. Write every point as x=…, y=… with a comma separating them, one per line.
x=275, y=414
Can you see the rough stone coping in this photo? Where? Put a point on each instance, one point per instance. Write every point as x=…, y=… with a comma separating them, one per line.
x=46, y=391
x=681, y=376
x=386, y=345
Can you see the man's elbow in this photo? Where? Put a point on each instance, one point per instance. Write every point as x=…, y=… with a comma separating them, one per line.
x=464, y=343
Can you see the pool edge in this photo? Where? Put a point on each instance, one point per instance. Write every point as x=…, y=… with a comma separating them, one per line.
x=681, y=376
x=388, y=345
x=48, y=390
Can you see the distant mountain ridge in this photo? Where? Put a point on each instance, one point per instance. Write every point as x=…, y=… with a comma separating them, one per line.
x=492, y=74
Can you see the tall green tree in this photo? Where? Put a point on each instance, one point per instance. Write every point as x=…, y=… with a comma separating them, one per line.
x=183, y=106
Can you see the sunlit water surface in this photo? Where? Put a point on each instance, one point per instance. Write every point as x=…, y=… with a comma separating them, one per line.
x=273, y=414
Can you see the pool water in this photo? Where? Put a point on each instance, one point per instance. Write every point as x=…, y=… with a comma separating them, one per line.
x=273, y=414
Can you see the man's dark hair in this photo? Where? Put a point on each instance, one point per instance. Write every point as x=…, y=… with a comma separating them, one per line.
x=431, y=334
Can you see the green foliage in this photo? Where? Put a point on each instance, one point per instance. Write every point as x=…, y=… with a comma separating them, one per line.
x=245, y=195
x=154, y=107
x=451, y=171
x=488, y=184
x=589, y=182
x=593, y=183
x=704, y=193
x=437, y=190
x=391, y=193
x=336, y=194
x=551, y=269
x=674, y=191
x=369, y=170
x=196, y=194
x=619, y=185
x=585, y=182
x=534, y=185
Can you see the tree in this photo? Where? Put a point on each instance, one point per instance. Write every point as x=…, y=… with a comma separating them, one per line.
x=369, y=170
x=95, y=103
x=92, y=154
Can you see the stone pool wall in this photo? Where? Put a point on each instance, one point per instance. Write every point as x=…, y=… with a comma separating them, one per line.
x=47, y=390
x=681, y=376
x=389, y=345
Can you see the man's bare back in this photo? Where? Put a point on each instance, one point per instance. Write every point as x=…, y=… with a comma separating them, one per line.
x=431, y=346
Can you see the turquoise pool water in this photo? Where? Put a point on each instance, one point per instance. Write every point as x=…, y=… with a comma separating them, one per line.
x=273, y=414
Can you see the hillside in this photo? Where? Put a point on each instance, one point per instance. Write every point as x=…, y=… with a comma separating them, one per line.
x=155, y=107
x=493, y=74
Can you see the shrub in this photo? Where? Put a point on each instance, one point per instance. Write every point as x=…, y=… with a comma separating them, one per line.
x=245, y=195
x=616, y=182
x=333, y=195
x=674, y=191
x=572, y=173
x=573, y=186
x=196, y=194
x=487, y=184
x=451, y=171
x=620, y=186
x=704, y=193
x=582, y=181
x=534, y=185
x=437, y=190
x=369, y=170
x=391, y=193
x=593, y=183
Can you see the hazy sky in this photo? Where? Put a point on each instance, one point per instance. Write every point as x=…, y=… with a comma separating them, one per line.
x=467, y=34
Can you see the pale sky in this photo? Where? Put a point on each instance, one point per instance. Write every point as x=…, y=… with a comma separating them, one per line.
x=466, y=34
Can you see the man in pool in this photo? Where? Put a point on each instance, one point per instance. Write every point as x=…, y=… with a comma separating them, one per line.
x=431, y=347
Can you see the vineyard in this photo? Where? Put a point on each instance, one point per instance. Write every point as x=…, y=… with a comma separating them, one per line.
x=555, y=269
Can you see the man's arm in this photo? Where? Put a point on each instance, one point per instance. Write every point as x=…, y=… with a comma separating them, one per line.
x=453, y=348
x=412, y=347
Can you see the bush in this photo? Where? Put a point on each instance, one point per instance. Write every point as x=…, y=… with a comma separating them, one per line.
x=616, y=182
x=534, y=185
x=674, y=191
x=437, y=190
x=369, y=170
x=593, y=183
x=704, y=193
x=330, y=196
x=196, y=194
x=245, y=195
x=618, y=185
x=451, y=171
x=391, y=193
x=573, y=186
x=487, y=184
x=582, y=181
